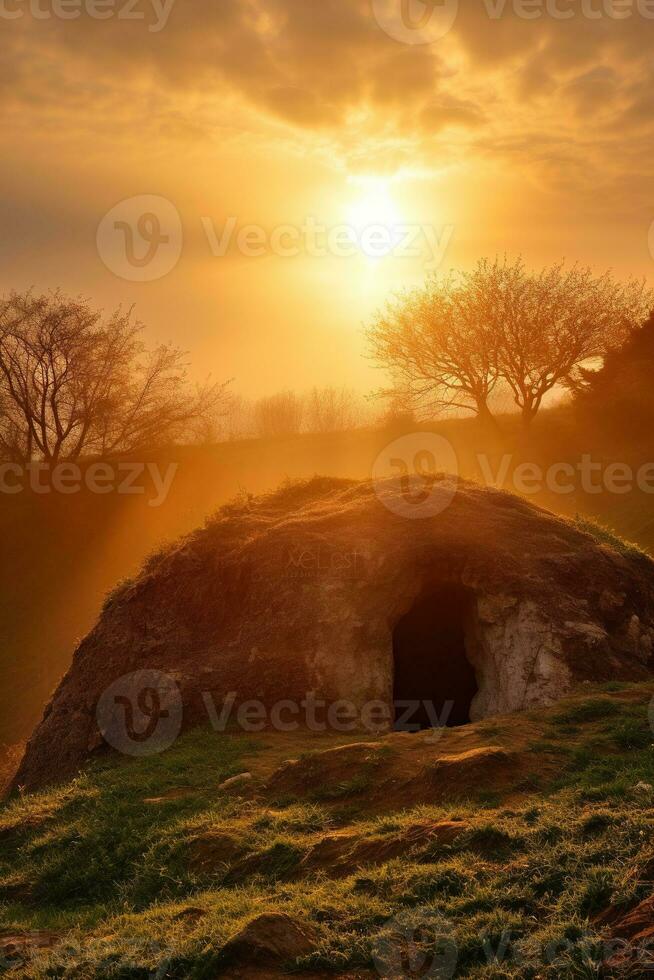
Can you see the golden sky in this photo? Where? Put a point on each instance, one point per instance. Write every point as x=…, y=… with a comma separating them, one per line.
x=521, y=130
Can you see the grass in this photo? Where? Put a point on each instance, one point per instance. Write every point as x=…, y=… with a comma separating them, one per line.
x=516, y=894
x=605, y=535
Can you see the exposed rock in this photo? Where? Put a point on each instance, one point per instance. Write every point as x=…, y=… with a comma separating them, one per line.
x=478, y=769
x=272, y=936
x=236, y=781
x=341, y=854
x=300, y=592
x=633, y=936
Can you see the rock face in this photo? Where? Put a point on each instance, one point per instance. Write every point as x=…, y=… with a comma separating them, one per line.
x=302, y=591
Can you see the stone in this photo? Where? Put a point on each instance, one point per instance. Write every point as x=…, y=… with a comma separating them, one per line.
x=301, y=591
x=234, y=781
x=273, y=936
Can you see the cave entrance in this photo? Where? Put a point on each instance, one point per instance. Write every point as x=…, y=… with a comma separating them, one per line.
x=431, y=666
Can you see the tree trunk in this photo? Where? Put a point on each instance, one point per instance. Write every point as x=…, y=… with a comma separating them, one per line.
x=487, y=418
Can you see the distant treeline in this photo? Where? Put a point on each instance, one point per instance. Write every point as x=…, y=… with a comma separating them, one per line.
x=290, y=413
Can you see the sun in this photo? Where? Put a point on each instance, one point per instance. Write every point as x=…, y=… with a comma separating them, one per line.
x=374, y=208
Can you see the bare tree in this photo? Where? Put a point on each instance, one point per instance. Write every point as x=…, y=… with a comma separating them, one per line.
x=436, y=344
x=546, y=325
x=456, y=342
x=237, y=422
x=73, y=383
x=332, y=410
x=278, y=415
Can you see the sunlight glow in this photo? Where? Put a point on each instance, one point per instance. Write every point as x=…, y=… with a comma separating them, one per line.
x=375, y=208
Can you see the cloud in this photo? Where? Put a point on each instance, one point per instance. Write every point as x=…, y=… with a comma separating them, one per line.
x=328, y=71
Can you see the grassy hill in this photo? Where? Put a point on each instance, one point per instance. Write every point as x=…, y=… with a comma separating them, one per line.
x=515, y=847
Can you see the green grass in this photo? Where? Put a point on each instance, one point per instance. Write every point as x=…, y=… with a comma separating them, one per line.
x=518, y=890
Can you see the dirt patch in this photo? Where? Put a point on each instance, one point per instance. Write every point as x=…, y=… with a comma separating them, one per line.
x=637, y=924
x=212, y=852
x=339, y=855
x=330, y=773
x=478, y=769
x=20, y=947
x=635, y=932
x=404, y=770
x=272, y=937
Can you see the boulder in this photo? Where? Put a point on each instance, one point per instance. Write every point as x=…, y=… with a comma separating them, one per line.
x=317, y=591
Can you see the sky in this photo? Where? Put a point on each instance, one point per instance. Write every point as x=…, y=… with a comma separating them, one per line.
x=256, y=177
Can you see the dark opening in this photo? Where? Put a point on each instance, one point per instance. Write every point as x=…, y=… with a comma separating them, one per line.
x=431, y=664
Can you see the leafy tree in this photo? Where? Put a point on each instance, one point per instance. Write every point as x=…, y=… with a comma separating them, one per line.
x=620, y=395
x=74, y=383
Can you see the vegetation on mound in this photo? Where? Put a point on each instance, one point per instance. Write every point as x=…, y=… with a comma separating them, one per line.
x=144, y=868
x=604, y=535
